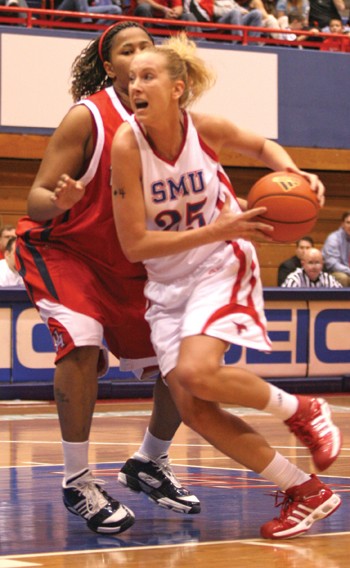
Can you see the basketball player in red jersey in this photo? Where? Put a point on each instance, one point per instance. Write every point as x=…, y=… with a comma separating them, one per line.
x=85, y=289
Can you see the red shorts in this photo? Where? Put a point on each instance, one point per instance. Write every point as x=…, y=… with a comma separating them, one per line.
x=116, y=302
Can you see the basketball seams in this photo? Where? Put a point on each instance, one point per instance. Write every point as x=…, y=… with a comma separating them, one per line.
x=292, y=205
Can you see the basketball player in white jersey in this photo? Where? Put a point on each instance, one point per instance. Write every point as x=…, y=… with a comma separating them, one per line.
x=175, y=211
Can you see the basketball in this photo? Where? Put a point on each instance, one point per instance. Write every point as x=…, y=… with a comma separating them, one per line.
x=292, y=206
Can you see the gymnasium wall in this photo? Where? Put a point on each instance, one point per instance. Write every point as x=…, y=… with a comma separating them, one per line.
x=309, y=331
x=298, y=97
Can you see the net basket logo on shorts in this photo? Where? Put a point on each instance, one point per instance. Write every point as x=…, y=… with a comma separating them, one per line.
x=58, y=340
x=60, y=336
x=286, y=183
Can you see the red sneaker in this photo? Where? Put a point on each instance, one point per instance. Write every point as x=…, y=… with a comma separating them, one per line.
x=312, y=425
x=301, y=507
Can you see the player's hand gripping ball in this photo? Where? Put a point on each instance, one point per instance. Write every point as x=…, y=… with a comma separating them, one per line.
x=292, y=206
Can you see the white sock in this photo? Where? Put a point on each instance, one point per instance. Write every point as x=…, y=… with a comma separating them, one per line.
x=281, y=404
x=152, y=447
x=283, y=473
x=75, y=456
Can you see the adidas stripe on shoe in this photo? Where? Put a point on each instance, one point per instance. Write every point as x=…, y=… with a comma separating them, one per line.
x=312, y=424
x=157, y=480
x=302, y=505
x=83, y=496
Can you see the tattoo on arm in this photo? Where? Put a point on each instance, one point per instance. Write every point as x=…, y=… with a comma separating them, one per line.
x=119, y=191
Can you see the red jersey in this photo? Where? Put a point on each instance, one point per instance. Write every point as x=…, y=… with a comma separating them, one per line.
x=76, y=260
x=336, y=44
x=87, y=230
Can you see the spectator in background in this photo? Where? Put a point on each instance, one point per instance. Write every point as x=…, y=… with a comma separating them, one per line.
x=225, y=12
x=296, y=20
x=291, y=264
x=293, y=15
x=229, y=12
x=311, y=274
x=14, y=4
x=298, y=23
x=268, y=11
x=322, y=11
x=336, y=251
x=287, y=8
x=6, y=232
x=167, y=9
x=111, y=7
x=337, y=43
x=9, y=276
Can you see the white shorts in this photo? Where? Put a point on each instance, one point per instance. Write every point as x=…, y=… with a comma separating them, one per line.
x=222, y=298
x=70, y=329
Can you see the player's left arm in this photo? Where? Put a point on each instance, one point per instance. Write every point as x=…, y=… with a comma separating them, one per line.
x=224, y=136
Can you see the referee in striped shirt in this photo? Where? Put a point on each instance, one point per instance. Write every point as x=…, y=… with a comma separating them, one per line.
x=311, y=274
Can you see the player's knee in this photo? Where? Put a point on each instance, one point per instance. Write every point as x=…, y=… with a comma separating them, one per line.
x=84, y=358
x=196, y=377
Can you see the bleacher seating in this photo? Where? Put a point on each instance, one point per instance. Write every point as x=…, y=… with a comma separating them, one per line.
x=18, y=168
x=44, y=14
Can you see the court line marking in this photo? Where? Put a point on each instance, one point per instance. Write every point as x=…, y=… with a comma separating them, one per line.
x=6, y=563
x=238, y=411
x=137, y=444
x=173, y=445
x=257, y=542
x=115, y=464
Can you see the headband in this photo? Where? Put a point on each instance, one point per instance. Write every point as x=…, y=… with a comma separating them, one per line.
x=101, y=40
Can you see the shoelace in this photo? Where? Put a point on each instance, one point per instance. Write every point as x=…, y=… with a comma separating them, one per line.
x=164, y=466
x=89, y=488
x=281, y=500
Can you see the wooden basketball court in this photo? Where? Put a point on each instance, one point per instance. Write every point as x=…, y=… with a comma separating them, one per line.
x=36, y=529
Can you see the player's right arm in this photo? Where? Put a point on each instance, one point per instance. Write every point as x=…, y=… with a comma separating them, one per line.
x=55, y=188
x=140, y=243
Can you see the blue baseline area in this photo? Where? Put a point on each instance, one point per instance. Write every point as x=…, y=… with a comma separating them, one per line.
x=235, y=503
x=29, y=382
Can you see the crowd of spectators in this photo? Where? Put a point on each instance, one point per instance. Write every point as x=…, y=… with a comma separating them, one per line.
x=314, y=268
x=283, y=19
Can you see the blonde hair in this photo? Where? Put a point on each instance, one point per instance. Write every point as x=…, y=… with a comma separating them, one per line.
x=184, y=64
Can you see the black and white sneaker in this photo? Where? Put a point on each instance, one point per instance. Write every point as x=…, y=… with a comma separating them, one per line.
x=83, y=496
x=158, y=481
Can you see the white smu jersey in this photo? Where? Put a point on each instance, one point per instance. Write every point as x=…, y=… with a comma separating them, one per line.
x=183, y=194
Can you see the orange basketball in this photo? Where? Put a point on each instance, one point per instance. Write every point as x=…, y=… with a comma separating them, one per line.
x=292, y=206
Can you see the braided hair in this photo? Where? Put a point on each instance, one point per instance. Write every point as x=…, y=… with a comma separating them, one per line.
x=88, y=73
